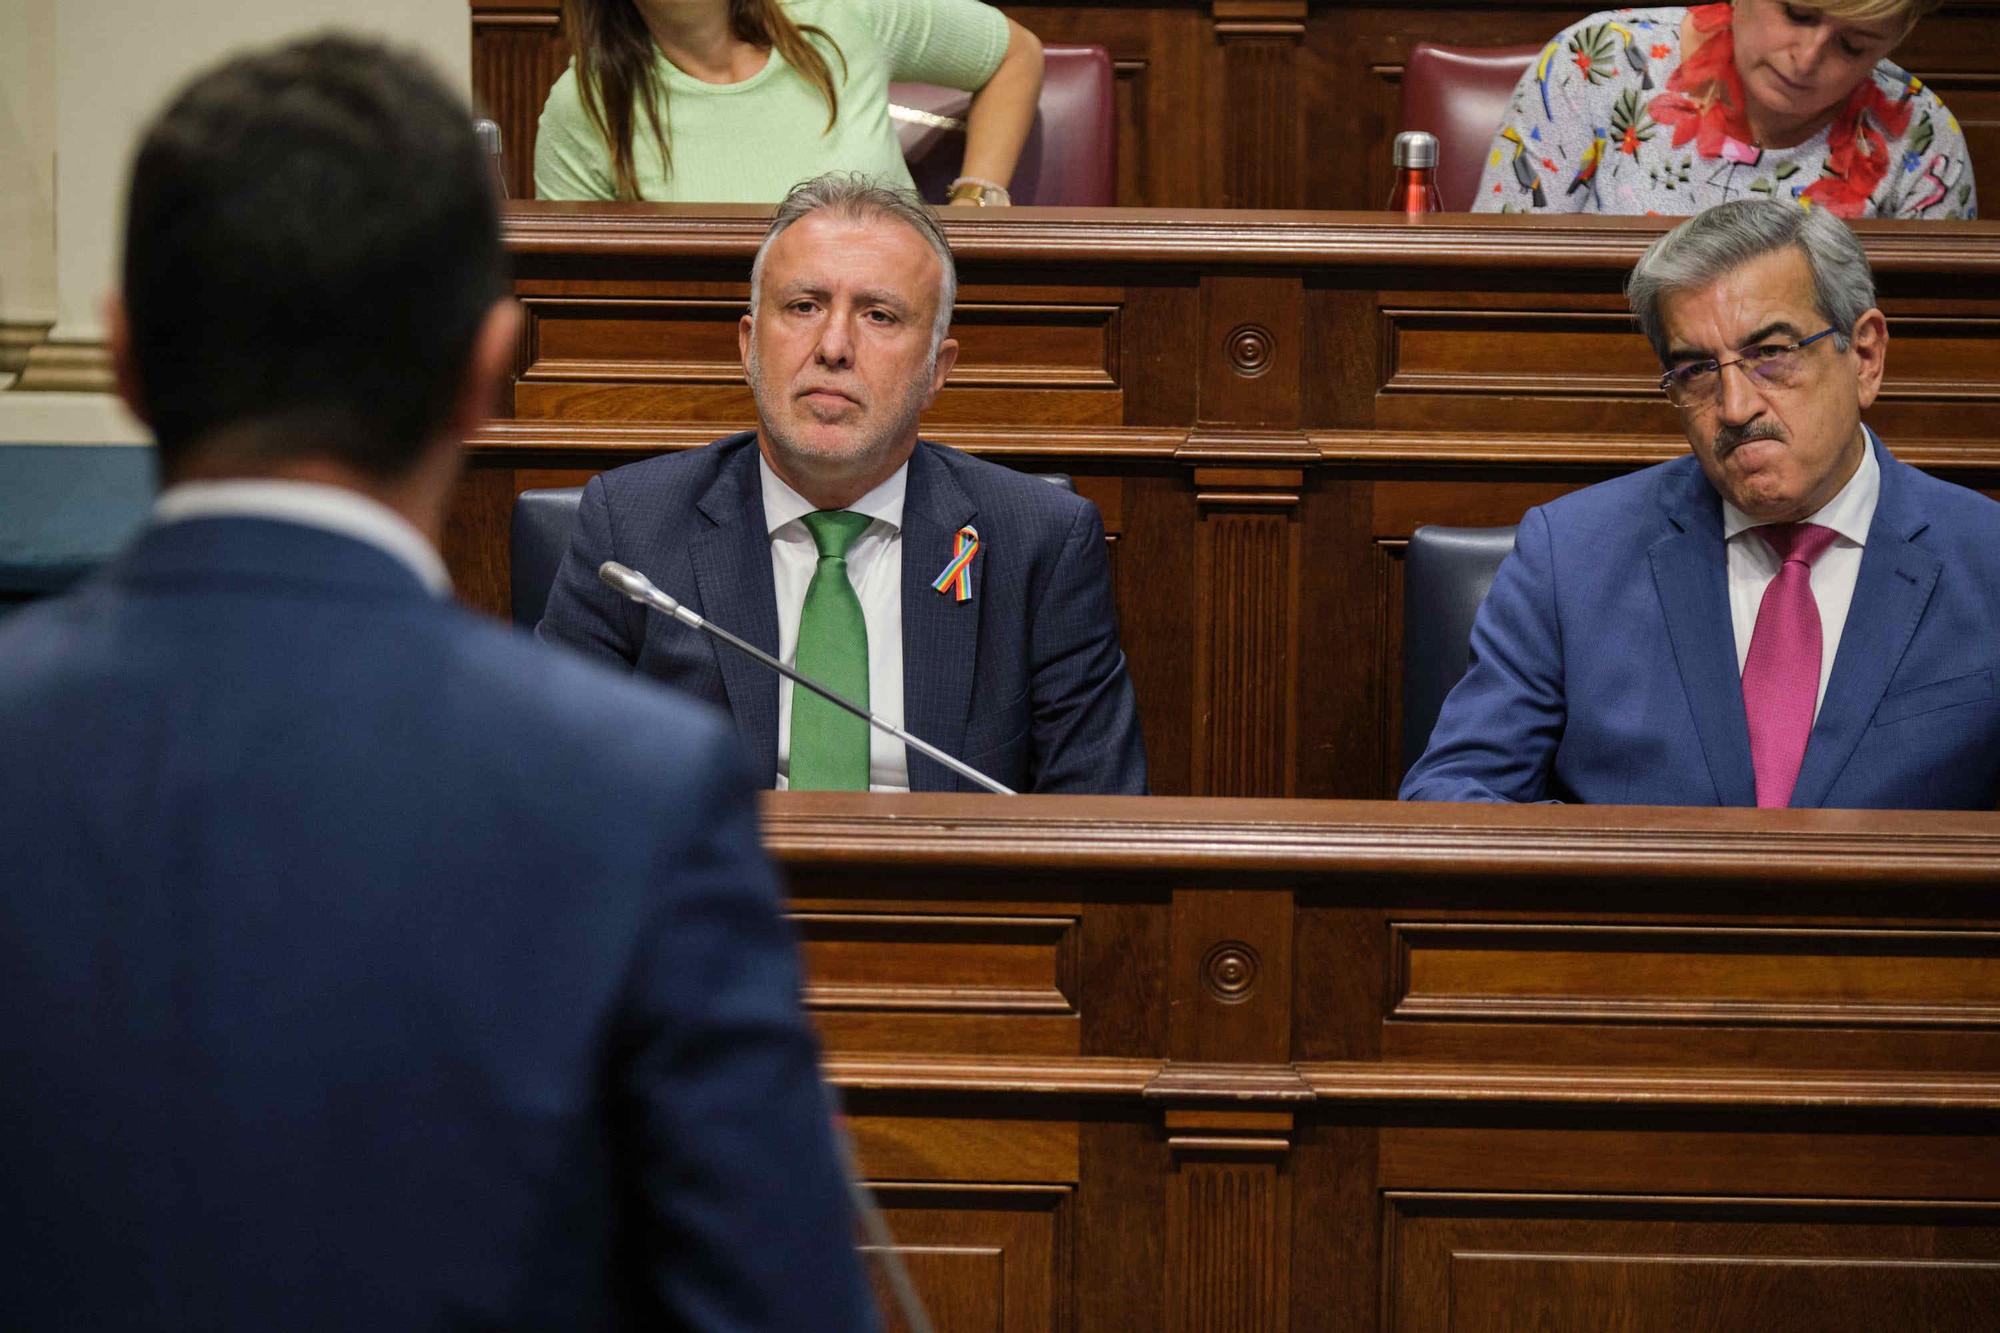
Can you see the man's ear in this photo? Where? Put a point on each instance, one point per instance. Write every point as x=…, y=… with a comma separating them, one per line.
x=124, y=368
x=1870, y=349
x=488, y=369
x=947, y=357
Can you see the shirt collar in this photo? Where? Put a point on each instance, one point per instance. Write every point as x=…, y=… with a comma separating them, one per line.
x=784, y=505
x=314, y=505
x=1848, y=513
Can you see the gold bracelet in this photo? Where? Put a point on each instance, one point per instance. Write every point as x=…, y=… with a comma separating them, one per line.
x=985, y=193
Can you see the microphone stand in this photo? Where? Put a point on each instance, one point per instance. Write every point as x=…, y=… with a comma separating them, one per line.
x=874, y=1229
x=640, y=589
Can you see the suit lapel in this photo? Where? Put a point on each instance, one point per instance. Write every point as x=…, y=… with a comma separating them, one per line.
x=732, y=567
x=1690, y=572
x=1890, y=594
x=940, y=633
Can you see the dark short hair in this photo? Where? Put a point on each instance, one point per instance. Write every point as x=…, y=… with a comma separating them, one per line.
x=311, y=245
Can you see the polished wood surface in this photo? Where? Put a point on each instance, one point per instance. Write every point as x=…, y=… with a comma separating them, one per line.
x=1235, y=1066
x=1262, y=408
x=1254, y=103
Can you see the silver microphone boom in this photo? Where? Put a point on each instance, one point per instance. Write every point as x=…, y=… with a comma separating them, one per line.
x=640, y=589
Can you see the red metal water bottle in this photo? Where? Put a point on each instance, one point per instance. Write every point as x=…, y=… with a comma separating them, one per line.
x=1416, y=157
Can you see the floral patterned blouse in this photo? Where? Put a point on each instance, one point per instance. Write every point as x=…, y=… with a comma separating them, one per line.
x=1615, y=117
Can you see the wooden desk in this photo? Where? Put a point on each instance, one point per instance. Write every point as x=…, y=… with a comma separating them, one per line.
x=1263, y=408
x=1236, y=1066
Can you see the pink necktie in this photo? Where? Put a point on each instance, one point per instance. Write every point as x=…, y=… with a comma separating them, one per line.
x=1781, y=673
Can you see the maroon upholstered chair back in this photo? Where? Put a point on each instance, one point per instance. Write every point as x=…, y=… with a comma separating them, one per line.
x=1459, y=93
x=1071, y=156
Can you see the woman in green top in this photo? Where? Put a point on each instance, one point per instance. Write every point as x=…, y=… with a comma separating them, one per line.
x=738, y=100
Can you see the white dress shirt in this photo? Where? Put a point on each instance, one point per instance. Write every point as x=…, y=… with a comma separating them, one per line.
x=1752, y=564
x=314, y=505
x=875, y=568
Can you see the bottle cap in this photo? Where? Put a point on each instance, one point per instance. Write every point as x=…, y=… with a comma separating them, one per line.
x=1415, y=148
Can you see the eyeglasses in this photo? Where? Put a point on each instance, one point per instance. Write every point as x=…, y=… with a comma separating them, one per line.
x=1769, y=366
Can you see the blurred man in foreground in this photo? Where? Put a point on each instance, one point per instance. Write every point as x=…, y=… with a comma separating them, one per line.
x=362, y=964
x=1788, y=616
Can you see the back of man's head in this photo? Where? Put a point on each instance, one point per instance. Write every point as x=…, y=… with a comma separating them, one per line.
x=311, y=247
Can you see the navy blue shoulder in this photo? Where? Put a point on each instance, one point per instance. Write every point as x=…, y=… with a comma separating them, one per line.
x=996, y=484
x=687, y=472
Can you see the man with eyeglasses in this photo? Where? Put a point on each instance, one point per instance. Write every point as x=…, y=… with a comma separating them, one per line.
x=1789, y=617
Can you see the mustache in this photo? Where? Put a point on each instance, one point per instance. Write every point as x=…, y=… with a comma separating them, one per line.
x=1727, y=438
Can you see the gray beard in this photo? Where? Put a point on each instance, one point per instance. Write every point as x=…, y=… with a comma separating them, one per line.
x=875, y=449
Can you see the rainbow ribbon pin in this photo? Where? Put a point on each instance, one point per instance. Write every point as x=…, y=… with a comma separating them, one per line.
x=957, y=576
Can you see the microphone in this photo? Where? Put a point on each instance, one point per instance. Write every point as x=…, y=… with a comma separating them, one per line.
x=640, y=589
x=488, y=134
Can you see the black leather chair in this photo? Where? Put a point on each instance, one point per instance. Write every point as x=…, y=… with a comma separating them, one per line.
x=1445, y=577
x=543, y=521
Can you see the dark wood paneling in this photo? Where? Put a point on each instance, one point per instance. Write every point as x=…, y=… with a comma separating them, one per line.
x=1247, y=1142
x=1497, y=1262
x=910, y=980
x=1471, y=970
x=985, y=1256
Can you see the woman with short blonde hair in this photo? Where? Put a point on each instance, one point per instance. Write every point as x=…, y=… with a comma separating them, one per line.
x=1672, y=110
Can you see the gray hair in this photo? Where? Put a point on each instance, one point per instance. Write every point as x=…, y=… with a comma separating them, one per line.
x=1728, y=236
x=855, y=196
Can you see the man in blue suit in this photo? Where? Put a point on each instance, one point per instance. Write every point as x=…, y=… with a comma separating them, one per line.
x=364, y=965
x=1788, y=617
x=967, y=602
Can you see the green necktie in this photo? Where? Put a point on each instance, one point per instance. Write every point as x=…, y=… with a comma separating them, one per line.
x=829, y=744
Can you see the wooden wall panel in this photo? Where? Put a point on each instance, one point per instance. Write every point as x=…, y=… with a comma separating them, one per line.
x=1245, y=1143
x=992, y=1257
x=1228, y=1246
x=1727, y=974
x=1256, y=104
x=1245, y=655
x=1497, y=1262
x=910, y=980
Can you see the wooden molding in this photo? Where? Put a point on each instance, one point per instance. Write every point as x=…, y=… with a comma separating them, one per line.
x=1216, y=237
x=1271, y=1089
x=66, y=367
x=19, y=339
x=1636, y=1090
x=1242, y=1085
x=1243, y=1133
x=1224, y=837
x=1069, y=1076
x=618, y=442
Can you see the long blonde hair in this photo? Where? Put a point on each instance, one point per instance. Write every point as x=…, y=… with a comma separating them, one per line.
x=615, y=69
